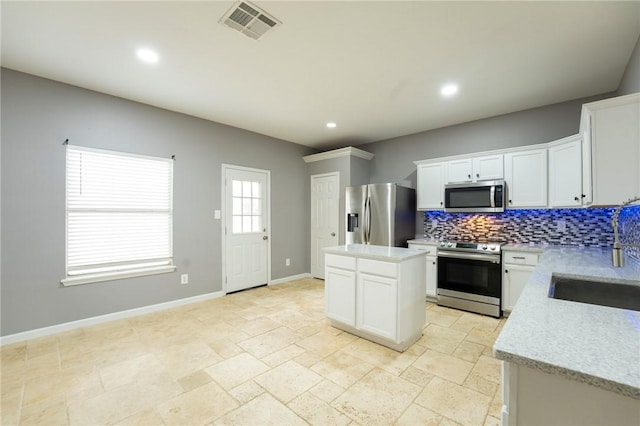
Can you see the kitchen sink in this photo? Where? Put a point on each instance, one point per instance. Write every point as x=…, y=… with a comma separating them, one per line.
x=612, y=294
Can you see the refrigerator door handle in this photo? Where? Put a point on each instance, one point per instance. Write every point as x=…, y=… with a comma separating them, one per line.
x=367, y=230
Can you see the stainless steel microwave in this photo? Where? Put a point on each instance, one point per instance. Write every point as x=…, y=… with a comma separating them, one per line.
x=487, y=196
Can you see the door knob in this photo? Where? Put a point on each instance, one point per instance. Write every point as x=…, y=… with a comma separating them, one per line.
x=333, y=234
x=265, y=238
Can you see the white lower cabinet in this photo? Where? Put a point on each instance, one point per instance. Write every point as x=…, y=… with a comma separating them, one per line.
x=517, y=269
x=376, y=305
x=535, y=397
x=340, y=291
x=378, y=300
x=432, y=277
x=431, y=268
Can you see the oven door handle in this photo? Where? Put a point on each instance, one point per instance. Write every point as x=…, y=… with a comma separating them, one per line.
x=470, y=256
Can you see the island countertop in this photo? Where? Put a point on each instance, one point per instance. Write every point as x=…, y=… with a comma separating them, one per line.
x=384, y=253
x=592, y=344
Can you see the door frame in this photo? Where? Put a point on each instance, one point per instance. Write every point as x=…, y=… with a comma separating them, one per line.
x=312, y=177
x=223, y=222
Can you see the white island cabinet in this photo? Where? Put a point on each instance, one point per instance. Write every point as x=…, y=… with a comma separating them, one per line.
x=376, y=292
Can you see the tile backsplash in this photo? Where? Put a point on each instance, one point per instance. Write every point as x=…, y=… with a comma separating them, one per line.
x=585, y=227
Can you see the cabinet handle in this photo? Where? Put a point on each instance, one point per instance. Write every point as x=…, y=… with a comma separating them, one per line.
x=477, y=175
x=506, y=271
x=583, y=195
x=518, y=257
x=440, y=202
x=510, y=202
x=333, y=234
x=434, y=262
x=469, y=176
x=576, y=198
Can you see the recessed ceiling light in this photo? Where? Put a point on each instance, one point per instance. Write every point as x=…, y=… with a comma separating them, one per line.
x=331, y=125
x=147, y=55
x=449, y=90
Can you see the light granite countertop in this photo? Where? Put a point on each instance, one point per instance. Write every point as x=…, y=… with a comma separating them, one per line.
x=592, y=344
x=384, y=253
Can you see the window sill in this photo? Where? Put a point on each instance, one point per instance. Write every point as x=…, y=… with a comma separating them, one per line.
x=110, y=276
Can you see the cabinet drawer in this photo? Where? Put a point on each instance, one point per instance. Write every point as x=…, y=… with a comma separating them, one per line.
x=343, y=262
x=376, y=267
x=431, y=250
x=520, y=258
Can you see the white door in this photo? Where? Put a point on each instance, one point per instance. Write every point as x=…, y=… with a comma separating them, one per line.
x=246, y=218
x=325, y=197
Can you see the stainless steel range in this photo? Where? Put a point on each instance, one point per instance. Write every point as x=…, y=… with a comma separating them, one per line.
x=470, y=276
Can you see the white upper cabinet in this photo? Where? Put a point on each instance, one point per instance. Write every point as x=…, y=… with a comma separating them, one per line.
x=565, y=173
x=430, y=192
x=459, y=170
x=614, y=129
x=526, y=177
x=489, y=167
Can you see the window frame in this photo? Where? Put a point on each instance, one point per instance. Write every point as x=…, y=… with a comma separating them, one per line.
x=124, y=269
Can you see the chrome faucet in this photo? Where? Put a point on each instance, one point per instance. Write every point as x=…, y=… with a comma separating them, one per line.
x=617, y=255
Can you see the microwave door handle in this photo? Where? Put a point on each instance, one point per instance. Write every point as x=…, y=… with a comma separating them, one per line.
x=492, y=195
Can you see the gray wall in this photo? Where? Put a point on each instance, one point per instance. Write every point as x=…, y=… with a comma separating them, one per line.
x=631, y=78
x=39, y=114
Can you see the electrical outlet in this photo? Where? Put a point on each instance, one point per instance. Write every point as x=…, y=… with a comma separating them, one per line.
x=216, y=214
x=287, y=262
x=561, y=225
x=184, y=279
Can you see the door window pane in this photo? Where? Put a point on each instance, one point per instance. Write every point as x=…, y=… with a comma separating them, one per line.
x=247, y=207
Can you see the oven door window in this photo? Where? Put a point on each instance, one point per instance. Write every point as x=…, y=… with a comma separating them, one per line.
x=470, y=276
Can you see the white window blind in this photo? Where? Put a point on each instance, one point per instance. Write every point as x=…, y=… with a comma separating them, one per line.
x=119, y=212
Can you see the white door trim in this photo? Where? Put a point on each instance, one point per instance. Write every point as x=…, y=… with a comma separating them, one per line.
x=223, y=221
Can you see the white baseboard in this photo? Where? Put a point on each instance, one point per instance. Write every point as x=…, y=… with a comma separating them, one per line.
x=291, y=278
x=58, y=328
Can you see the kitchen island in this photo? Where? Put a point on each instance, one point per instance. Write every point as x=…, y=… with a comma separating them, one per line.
x=376, y=292
x=566, y=362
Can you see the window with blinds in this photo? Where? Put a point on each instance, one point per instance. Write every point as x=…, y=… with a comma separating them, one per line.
x=119, y=210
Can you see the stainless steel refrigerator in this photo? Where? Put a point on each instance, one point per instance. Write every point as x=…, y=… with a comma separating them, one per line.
x=380, y=214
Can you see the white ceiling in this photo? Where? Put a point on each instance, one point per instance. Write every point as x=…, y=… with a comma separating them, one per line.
x=373, y=67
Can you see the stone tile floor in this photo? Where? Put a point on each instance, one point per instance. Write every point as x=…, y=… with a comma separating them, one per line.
x=259, y=357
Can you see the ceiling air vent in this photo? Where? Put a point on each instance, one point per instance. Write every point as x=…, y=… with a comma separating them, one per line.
x=250, y=20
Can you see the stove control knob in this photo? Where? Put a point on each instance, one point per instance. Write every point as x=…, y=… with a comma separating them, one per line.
x=449, y=245
x=484, y=247
x=442, y=244
x=493, y=247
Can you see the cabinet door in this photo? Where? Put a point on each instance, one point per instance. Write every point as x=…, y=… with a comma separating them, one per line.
x=340, y=295
x=460, y=170
x=615, y=138
x=490, y=167
x=514, y=278
x=377, y=310
x=526, y=177
x=430, y=193
x=432, y=276
x=565, y=175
